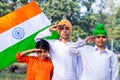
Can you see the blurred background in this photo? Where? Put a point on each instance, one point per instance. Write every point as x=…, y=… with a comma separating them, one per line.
x=83, y=14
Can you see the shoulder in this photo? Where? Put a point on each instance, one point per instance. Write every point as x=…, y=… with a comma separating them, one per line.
x=111, y=53
x=48, y=59
x=87, y=47
x=53, y=41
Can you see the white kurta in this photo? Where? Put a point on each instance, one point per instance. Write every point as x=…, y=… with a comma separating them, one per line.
x=65, y=64
x=98, y=65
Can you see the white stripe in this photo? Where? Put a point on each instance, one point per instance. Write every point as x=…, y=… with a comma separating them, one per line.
x=30, y=27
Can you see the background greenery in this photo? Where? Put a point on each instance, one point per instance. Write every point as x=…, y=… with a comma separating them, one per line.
x=82, y=15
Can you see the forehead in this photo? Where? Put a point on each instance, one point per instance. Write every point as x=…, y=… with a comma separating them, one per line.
x=40, y=49
x=63, y=25
x=101, y=36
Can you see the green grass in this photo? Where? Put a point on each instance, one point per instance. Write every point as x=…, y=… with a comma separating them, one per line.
x=6, y=75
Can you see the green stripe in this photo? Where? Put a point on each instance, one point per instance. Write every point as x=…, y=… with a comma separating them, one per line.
x=7, y=57
x=55, y=35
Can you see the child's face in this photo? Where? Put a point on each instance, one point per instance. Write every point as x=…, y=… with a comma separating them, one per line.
x=100, y=41
x=64, y=32
x=42, y=53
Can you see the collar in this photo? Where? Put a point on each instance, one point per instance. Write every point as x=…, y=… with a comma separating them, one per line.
x=69, y=42
x=106, y=50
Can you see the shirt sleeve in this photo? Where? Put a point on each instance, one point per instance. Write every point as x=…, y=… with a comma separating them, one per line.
x=43, y=34
x=51, y=74
x=75, y=46
x=114, y=67
x=22, y=59
x=79, y=67
x=80, y=42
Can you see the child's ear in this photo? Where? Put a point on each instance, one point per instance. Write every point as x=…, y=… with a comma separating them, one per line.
x=48, y=55
x=48, y=51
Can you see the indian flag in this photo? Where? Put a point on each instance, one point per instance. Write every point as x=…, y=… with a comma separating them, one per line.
x=18, y=30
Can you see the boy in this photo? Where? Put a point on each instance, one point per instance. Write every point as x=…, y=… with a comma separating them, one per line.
x=40, y=67
x=99, y=63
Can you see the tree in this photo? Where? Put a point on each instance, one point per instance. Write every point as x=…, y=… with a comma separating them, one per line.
x=4, y=8
x=59, y=9
x=111, y=23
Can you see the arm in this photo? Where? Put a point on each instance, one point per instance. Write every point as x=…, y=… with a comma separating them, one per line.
x=114, y=68
x=49, y=33
x=43, y=34
x=28, y=51
x=75, y=46
x=81, y=42
x=22, y=57
x=51, y=74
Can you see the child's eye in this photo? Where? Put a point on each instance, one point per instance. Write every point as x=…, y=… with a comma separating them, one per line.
x=40, y=51
x=45, y=51
x=101, y=36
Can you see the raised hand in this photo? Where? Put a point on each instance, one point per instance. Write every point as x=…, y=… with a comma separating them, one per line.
x=90, y=39
x=54, y=28
x=29, y=51
x=33, y=50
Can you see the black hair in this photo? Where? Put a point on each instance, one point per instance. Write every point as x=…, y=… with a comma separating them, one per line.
x=42, y=44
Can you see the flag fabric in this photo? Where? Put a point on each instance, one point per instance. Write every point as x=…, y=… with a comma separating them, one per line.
x=18, y=30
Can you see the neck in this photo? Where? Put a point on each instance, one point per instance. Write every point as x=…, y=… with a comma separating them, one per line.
x=101, y=48
x=65, y=40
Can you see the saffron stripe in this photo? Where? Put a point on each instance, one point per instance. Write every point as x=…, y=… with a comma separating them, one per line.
x=20, y=15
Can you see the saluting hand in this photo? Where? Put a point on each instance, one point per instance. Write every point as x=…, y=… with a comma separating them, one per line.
x=54, y=28
x=90, y=39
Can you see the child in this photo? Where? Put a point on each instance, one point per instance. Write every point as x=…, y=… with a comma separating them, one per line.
x=40, y=67
x=99, y=63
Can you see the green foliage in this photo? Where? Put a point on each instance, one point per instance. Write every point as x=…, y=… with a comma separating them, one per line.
x=4, y=8
x=117, y=46
x=59, y=9
x=88, y=4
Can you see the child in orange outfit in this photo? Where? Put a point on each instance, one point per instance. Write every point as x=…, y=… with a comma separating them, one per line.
x=40, y=67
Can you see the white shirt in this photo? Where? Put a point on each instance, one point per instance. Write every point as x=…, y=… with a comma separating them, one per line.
x=98, y=65
x=65, y=64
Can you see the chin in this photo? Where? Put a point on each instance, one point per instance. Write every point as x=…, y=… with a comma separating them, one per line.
x=43, y=58
x=65, y=37
x=101, y=45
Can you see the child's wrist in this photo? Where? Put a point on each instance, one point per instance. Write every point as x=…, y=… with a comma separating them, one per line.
x=28, y=51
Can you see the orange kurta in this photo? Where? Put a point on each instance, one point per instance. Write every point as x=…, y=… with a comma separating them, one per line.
x=37, y=69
